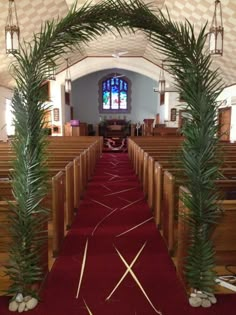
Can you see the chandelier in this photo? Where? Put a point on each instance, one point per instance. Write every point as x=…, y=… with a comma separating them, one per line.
x=162, y=81
x=216, y=32
x=12, y=30
x=51, y=71
x=67, y=78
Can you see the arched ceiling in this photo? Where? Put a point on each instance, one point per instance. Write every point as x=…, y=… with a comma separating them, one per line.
x=31, y=13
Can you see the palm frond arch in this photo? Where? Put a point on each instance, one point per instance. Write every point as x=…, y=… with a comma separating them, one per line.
x=199, y=86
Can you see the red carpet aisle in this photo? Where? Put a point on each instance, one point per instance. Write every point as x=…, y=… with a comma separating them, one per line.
x=114, y=261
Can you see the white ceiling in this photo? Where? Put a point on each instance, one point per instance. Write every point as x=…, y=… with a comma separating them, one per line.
x=31, y=13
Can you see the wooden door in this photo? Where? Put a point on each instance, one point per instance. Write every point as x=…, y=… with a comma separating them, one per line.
x=157, y=122
x=224, y=123
x=47, y=119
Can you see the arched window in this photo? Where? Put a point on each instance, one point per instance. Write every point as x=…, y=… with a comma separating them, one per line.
x=114, y=94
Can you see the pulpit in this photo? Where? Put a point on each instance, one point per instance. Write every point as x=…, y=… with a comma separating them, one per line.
x=148, y=126
x=73, y=130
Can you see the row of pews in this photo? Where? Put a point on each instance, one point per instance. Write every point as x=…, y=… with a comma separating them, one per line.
x=155, y=160
x=71, y=162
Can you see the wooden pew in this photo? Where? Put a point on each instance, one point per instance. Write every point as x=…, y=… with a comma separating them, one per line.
x=83, y=163
x=83, y=168
x=5, y=240
x=60, y=155
x=224, y=236
x=55, y=166
x=153, y=144
x=157, y=186
x=72, y=186
x=136, y=142
x=139, y=149
x=74, y=141
x=70, y=193
x=170, y=209
x=61, y=151
x=149, y=171
x=66, y=149
x=61, y=147
x=143, y=155
x=55, y=201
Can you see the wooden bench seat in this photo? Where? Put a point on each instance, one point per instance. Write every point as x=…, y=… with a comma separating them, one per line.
x=55, y=201
x=224, y=236
x=5, y=240
x=70, y=165
x=170, y=211
x=155, y=188
x=149, y=171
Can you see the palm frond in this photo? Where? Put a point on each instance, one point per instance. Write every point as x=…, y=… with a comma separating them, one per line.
x=187, y=60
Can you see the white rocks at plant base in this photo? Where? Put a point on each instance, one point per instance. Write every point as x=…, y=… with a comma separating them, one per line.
x=22, y=304
x=204, y=299
x=195, y=301
x=212, y=299
x=21, y=307
x=206, y=303
x=27, y=298
x=13, y=306
x=32, y=303
x=19, y=297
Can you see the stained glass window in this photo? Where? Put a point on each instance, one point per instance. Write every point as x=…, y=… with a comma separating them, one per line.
x=115, y=94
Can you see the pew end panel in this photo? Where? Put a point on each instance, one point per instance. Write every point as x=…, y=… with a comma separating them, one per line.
x=69, y=173
x=150, y=182
x=58, y=211
x=223, y=236
x=158, y=190
x=78, y=182
x=5, y=244
x=168, y=212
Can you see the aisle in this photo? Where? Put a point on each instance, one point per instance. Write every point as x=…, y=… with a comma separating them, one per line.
x=114, y=261
x=112, y=205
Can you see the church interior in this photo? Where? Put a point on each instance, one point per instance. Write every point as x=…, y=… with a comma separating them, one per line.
x=130, y=55
x=118, y=186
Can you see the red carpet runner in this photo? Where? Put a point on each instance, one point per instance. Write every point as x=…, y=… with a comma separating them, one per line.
x=114, y=261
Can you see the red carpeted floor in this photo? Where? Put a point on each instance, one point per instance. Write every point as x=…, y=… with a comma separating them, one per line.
x=114, y=261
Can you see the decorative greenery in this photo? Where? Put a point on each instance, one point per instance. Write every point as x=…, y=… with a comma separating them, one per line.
x=28, y=219
x=127, y=127
x=199, y=86
x=190, y=64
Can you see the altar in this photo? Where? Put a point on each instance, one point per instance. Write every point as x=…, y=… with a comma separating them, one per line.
x=115, y=128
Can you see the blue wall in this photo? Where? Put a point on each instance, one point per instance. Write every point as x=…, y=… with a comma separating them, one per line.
x=144, y=102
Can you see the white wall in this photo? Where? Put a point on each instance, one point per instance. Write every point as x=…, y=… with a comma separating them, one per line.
x=171, y=101
x=57, y=96
x=4, y=94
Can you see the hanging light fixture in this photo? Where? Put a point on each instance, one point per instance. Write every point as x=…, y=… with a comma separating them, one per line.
x=51, y=76
x=12, y=30
x=162, y=81
x=67, y=78
x=216, y=32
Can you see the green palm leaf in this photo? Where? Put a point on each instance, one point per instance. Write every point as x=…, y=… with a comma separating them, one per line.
x=199, y=86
